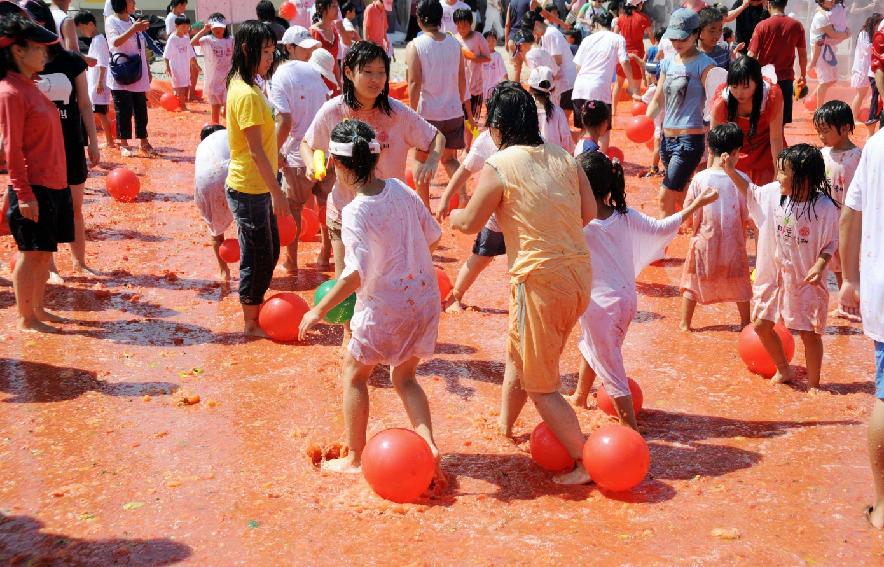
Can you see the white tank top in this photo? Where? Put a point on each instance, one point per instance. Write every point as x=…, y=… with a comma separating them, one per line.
x=440, y=61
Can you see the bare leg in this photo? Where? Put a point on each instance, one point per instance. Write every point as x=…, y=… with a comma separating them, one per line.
x=625, y=411
x=876, y=459
x=558, y=414
x=182, y=97
x=325, y=247
x=28, y=280
x=839, y=278
x=813, y=352
x=291, y=251
x=743, y=308
x=78, y=246
x=466, y=277
x=104, y=121
x=774, y=347
x=338, y=249
x=585, y=378
x=216, y=114
x=194, y=77
x=821, y=92
x=687, y=312
x=250, y=321
x=615, y=96
x=858, y=98
x=223, y=268
x=355, y=415
x=670, y=201
x=513, y=398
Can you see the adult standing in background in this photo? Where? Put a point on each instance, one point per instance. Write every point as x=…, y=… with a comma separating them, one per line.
x=553, y=41
x=266, y=14
x=67, y=31
x=514, y=14
x=633, y=25
x=751, y=14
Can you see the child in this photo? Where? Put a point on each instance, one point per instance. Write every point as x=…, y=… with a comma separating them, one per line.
x=595, y=116
x=552, y=119
x=217, y=49
x=716, y=269
x=797, y=224
x=388, y=237
x=711, y=27
x=834, y=124
x=621, y=242
x=573, y=37
x=828, y=28
x=351, y=32
x=651, y=68
x=96, y=76
x=494, y=71
x=210, y=172
x=178, y=53
x=476, y=53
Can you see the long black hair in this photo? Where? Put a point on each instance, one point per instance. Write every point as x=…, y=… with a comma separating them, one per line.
x=512, y=110
x=250, y=39
x=871, y=24
x=173, y=3
x=606, y=179
x=548, y=106
x=358, y=56
x=360, y=134
x=322, y=6
x=743, y=71
x=809, y=181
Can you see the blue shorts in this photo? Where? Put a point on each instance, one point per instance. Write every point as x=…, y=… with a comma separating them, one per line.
x=681, y=155
x=879, y=370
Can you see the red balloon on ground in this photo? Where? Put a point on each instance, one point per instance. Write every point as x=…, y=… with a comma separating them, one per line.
x=288, y=11
x=863, y=114
x=309, y=225
x=229, y=250
x=639, y=108
x=398, y=465
x=281, y=315
x=409, y=178
x=547, y=451
x=123, y=185
x=170, y=102
x=616, y=457
x=640, y=129
x=755, y=356
x=445, y=286
x=606, y=403
x=287, y=229
x=454, y=202
x=616, y=153
x=810, y=103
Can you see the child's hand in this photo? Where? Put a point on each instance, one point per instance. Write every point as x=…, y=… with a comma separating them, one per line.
x=308, y=322
x=708, y=195
x=815, y=275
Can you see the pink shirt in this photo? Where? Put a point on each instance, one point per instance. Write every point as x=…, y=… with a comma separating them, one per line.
x=397, y=132
x=375, y=23
x=473, y=71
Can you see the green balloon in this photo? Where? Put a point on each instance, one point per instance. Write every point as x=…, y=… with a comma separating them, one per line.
x=340, y=313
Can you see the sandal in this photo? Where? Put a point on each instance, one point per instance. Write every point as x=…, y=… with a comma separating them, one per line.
x=650, y=173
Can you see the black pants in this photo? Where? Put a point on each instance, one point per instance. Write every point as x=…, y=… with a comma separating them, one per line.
x=128, y=104
x=873, y=104
x=787, y=88
x=258, y=243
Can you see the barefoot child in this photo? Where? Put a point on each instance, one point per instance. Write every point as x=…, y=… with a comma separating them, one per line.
x=217, y=49
x=595, y=116
x=178, y=53
x=494, y=71
x=96, y=76
x=477, y=55
x=621, y=242
x=388, y=235
x=554, y=127
x=210, y=171
x=797, y=224
x=716, y=269
x=834, y=124
x=828, y=28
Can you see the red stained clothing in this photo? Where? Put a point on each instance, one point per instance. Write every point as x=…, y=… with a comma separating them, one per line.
x=31, y=129
x=878, y=51
x=375, y=18
x=632, y=28
x=756, y=160
x=330, y=46
x=775, y=40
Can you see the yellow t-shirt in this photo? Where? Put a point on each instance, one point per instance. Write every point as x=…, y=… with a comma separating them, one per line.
x=246, y=107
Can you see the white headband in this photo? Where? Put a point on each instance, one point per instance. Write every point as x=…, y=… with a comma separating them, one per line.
x=345, y=149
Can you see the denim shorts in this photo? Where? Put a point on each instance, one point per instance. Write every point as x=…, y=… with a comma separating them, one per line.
x=879, y=370
x=258, y=243
x=681, y=155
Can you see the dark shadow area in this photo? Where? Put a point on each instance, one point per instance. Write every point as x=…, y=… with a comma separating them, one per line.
x=62, y=299
x=668, y=262
x=154, y=332
x=7, y=298
x=169, y=280
x=453, y=371
x=105, y=233
x=36, y=382
x=306, y=280
x=23, y=543
x=569, y=383
x=325, y=335
x=489, y=310
x=648, y=492
x=844, y=330
x=449, y=348
x=685, y=461
x=720, y=328
x=380, y=377
x=144, y=196
x=646, y=317
x=444, y=259
x=657, y=289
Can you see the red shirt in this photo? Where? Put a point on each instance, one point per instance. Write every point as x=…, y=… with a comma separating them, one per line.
x=878, y=50
x=632, y=28
x=775, y=41
x=330, y=46
x=31, y=128
x=375, y=23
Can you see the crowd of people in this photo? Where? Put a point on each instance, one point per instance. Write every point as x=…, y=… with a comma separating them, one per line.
x=309, y=117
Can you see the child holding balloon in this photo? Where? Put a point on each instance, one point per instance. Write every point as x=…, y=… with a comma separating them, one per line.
x=621, y=243
x=797, y=222
x=388, y=236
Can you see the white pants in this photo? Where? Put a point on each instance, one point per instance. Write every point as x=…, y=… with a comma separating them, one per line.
x=492, y=21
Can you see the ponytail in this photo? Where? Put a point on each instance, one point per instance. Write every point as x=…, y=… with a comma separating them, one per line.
x=543, y=98
x=606, y=178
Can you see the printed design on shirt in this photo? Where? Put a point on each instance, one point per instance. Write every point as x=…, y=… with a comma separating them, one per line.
x=58, y=88
x=676, y=87
x=789, y=230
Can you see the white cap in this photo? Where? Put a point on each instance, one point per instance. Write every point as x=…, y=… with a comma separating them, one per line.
x=324, y=62
x=541, y=78
x=297, y=35
x=634, y=2
x=218, y=23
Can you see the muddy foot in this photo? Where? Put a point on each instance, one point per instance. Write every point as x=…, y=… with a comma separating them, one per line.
x=577, y=476
x=35, y=327
x=343, y=465
x=51, y=317
x=782, y=378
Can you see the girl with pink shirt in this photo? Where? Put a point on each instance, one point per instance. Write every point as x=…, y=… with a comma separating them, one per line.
x=797, y=222
x=389, y=235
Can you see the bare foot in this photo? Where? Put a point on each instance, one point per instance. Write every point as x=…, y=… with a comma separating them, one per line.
x=875, y=516
x=253, y=330
x=43, y=315
x=35, y=326
x=290, y=268
x=783, y=377
x=347, y=465
x=85, y=270
x=815, y=390
x=684, y=327
x=224, y=273
x=55, y=279
x=578, y=401
x=576, y=476
x=505, y=430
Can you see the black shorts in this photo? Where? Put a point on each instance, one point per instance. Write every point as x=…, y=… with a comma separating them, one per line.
x=453, y=130
x=489, y=243
x=565, y=100
x=475, y=106
x=77, y=169
x=100, y=108
x=55, y=220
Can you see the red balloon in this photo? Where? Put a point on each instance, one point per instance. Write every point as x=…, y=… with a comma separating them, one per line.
x=547, y=451
x=170, y=102
x=229, y=250
x=409, y=178
x=616, y=457
x=639, y=108
x=287, y=228
x=398, y=465
x=309, y=225
x=281, y=315
x=606, y=404
x=123, y=185
x=288, y=11
x=640, y=129
x=445, y=286
x=454, y=202
x=616, y=153
x=755, y=356
x=810, y=103
x=863, y=115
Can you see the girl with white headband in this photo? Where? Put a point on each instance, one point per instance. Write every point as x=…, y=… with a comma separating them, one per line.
x=388, y=236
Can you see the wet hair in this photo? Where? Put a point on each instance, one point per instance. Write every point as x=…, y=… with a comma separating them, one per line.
x=83, y=17
x=742, y=71
x=606, y=179
x=322, y=6
x=726, y=34
x=658, y=35
x=16, y=27
x=724, y=139
x=181, y=20
x=362, y=162
x=249, y=41
x=265, y=11
x=210, y=129
x=512, y=110
x=595, y=113
x=462, y=15
x=834, y=114
x=358, y=56
x=490, y=33
x=809, y=181
x=347, y=7
x=871, y=24
x=429, y=12
x=119, y=6
x=219, y=16
x=174, y=3
x=604, y=19
x=709, y=16
x=543, y=98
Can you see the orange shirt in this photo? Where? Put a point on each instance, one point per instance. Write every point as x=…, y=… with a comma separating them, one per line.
x=375, y=22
